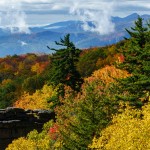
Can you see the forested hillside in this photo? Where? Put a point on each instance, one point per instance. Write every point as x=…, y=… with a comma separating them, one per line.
x=100, y=95
x=21, y=75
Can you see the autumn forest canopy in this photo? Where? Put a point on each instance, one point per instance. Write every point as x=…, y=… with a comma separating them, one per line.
x=100, y=96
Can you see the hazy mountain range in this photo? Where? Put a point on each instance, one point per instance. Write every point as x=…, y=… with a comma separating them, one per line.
x=40, y=37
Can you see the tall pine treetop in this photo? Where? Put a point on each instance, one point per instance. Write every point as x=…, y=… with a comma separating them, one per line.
x=64, y=64
x=138, y=32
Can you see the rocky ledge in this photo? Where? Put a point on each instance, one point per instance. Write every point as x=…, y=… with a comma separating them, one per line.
x=17, y=122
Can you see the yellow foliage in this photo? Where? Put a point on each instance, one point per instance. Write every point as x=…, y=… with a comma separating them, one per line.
x=22, y=144
x=38, y=68
x=21, y=66
x=38, y=100
x=108, y=74
x=129, y=131
x=42, y=143
x=112, y=49
x=29, y=144
x=34, y=140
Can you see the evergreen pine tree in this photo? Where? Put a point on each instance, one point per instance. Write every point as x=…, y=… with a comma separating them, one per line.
x=63, y=64
x=136, y=88
x=137, y=33
x=93, y=114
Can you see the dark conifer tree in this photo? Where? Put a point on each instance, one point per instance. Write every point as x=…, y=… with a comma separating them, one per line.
x=137, y=63
x=64, y=64
x=137, y=33
x=93, y=113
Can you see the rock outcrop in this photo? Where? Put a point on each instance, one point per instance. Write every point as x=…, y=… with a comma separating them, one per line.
x=16, y=122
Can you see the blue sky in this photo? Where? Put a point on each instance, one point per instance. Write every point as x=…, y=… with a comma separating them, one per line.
x=25, y=13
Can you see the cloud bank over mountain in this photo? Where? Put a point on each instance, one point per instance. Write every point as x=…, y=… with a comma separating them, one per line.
x=102, y=25
x=17, y=15
x=40, y=37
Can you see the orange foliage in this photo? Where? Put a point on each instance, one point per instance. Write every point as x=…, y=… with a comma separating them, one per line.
x=39, y=67
x=119, y=58
x=108, y=74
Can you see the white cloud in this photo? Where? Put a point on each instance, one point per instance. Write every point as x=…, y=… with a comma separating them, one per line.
x=98, y=11
x=141, y=3
x=13, y=17
x=15, y=21
x=23, y=43
x=101, y=18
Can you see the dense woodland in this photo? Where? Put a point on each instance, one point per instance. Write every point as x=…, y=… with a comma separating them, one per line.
x=100, y=95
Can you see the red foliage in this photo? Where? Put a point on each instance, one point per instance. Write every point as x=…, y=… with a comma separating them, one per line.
x=53, y=132
x=121, y=58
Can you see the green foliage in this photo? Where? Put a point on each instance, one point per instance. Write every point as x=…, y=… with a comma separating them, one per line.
x=31, y=84
x=7, y=94
x=94, y=113
x=88, y=59
x=137, y=61
x=63, y=65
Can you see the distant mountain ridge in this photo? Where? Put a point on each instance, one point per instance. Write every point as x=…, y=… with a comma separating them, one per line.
x=40, y=37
